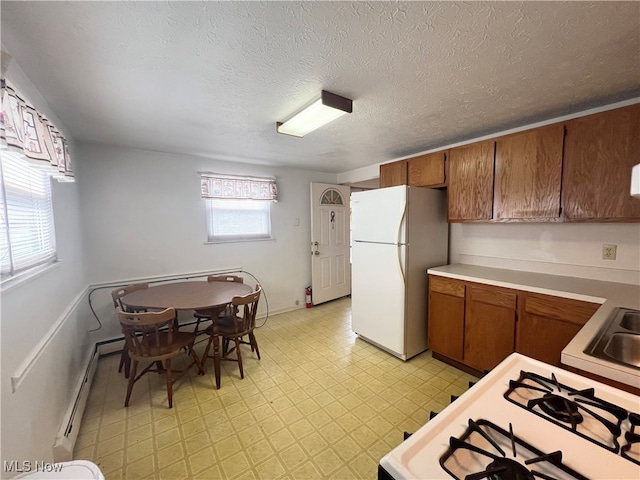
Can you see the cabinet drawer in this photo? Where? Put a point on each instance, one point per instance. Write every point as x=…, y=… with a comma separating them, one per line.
x=493, y=296
x=565, y=309
x=446, y=286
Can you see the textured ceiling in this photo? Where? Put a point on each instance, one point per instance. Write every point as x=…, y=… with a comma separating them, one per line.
x=212, y=78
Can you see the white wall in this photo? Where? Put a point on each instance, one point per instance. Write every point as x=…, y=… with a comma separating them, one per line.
x=31, y=416
x=561, y=249
x=143, y=216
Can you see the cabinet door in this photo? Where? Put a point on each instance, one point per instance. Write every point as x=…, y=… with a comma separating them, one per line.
x=427, y=170
x=489, y=327
x=393, y=174
x=446, y=316
x=529, y=174
x=600, y=150
x=470, y=182
x=548, y=324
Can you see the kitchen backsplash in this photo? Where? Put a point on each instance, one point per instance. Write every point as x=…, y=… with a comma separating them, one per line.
x=559, y=249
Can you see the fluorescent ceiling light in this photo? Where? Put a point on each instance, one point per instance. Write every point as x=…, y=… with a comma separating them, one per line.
x=322, y=111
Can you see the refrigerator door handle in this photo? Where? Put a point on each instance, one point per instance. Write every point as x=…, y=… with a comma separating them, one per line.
x=400, y=264
x=401, y=226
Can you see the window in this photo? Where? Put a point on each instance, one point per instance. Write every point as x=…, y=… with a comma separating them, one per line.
x=331, y=196
x=238, y=220
x=27, y=236
x=238, y=208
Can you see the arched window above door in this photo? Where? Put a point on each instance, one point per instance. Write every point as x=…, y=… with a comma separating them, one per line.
x=331, y=196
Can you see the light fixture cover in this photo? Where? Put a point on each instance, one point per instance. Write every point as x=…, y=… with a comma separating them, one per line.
x=327, y=108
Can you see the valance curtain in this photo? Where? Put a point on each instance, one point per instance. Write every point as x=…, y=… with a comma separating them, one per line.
x=238, y=188
x=25, y=131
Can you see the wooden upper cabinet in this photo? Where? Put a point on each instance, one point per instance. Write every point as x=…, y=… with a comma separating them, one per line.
x=427, y=170
x=599, y=152
x=528, y=174
x=470, y=182
x=393, y=174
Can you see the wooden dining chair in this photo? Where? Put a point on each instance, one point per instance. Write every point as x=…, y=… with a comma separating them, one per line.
x=116, y=296
x=205, y=315
x=154, y=337
x=233, y=328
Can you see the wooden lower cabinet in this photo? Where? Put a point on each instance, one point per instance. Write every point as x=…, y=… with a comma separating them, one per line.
x=489, y=325
x=446, y=316
x=480, y=325
x=547, y=324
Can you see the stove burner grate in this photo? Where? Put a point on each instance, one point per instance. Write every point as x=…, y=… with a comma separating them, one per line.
x=480, y=446
x=633, y=440
x=569, y=408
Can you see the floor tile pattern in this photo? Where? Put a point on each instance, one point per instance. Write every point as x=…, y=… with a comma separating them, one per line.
x=321, y=403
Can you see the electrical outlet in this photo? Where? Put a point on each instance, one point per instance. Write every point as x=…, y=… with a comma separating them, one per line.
x=609, y=252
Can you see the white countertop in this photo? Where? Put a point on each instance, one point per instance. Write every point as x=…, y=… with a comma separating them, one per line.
x=609, y=294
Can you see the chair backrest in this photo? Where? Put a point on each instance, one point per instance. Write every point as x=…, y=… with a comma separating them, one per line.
x=225, y=278
x=118, y=293
x=247, y=307
x=142, y=330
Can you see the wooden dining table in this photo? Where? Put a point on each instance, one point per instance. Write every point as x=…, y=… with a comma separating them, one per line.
x=190, y=295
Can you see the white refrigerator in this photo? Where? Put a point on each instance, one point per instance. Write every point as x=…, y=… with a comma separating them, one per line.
x=397, y=233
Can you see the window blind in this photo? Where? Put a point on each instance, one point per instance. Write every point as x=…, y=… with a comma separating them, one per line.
x=26, y=223
x=238, y=220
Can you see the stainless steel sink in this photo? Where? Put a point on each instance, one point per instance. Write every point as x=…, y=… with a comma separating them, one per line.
x=619, y=338
x=631, y=321
x=625, y=348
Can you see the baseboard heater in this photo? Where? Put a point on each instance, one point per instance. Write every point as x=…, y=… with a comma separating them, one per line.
x=68, y=434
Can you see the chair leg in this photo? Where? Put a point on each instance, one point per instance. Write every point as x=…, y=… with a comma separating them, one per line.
x=193, y=353
x=250, y=343
x=169, y=383
x=125, y=361
x=239, y=355
x=205, y=355
x=254, y=344
x=132, y=379
x=216, y=358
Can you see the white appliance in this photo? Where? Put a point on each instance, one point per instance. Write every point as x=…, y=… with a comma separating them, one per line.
x=635, y=181
x=397, y=233
x=72, y=470
x=549, y=409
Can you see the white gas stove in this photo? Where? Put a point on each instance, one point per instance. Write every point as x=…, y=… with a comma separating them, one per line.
x=525, y=420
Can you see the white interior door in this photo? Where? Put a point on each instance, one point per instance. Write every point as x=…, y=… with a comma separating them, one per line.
x=330, y=220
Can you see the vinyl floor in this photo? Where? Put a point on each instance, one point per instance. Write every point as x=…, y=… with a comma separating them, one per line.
x=321, y=403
